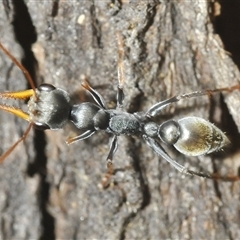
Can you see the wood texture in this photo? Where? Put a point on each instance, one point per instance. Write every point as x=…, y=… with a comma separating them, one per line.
x=50, y=190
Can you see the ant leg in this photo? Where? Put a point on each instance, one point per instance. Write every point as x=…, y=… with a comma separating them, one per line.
x=215, y=176
x=110, y=172
x=159, y=150
x=121, y=76
x=155, y=109
x=95, y=95
x=83, y=136
x=113, y=148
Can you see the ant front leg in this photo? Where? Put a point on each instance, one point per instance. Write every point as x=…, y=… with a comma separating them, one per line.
x=155, y=109
x=95, y=95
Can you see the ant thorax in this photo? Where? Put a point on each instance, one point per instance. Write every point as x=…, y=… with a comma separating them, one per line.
x=124, y=123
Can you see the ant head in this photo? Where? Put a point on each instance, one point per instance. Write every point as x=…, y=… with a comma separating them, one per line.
x=49, y=108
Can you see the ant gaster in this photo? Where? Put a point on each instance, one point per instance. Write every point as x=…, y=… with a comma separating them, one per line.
x=50, y=108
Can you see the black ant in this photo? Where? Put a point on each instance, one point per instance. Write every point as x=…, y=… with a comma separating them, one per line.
x=49, y=108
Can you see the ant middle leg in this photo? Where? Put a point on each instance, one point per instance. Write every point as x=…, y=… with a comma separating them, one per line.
x=110, y=167
x=120, y=100
x=121, y=75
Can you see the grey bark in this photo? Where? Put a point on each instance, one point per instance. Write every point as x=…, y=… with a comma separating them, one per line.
x=51, y=190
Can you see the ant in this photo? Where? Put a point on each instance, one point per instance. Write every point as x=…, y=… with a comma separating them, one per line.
x=49, y=108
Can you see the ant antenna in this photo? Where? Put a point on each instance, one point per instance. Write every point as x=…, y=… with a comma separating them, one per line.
x=22, y=95
x=7, y=153
x=24, y=70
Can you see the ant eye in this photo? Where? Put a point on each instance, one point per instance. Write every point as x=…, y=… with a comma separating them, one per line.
x=46, y=87
x=40, y=126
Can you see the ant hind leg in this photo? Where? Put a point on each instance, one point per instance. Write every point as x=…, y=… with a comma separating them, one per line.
x=156, y=109
x=160, y=151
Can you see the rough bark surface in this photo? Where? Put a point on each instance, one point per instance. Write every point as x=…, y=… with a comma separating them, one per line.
x=50, y=190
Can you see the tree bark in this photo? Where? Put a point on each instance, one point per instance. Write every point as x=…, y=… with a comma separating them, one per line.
x=50, y=190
